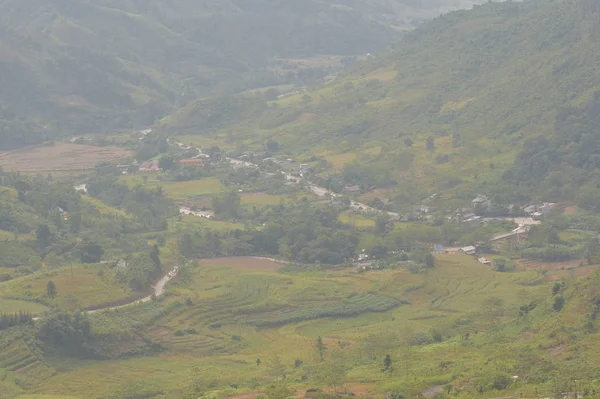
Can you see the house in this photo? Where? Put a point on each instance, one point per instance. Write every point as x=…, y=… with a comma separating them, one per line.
x=484, y=261
x=530, y=209
x=481, y=203
x=82, y=188
x=149, y=166
x=202, y=214
x=423, y=209
x=470, y=250
x=191, y=163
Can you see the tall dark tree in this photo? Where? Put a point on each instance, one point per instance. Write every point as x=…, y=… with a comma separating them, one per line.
x=321, y=348
x=51, y=290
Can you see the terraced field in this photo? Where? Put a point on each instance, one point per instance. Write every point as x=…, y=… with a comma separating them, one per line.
x=20, y=361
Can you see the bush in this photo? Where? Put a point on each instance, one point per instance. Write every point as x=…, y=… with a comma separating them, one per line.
x=559, y=302
x=420, y=338
x=501, y=382
x=179, y=333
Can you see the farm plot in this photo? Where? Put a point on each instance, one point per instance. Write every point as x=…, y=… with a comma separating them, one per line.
x=84, y=286
x=60, y=157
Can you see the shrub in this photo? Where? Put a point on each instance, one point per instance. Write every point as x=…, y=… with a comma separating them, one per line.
x=179, y=333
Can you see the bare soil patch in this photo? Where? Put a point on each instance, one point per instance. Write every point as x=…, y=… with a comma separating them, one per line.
x=60, y=157
x=570, y=210
x=306, y=116
x=245, y=262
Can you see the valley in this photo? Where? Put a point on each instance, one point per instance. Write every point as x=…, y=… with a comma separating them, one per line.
x=267, y=200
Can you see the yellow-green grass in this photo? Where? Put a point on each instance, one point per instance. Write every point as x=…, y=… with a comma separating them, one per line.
x=14, y=306
x=261, y=199
x=45, y=397
x=227, y=353
x=356, y=219
x=340, y=160
x=178, y=190
x=10, y=236
x=105, y=209
x=86, y=285
x=185, y=221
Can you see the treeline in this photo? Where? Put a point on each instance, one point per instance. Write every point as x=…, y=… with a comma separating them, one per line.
x=150, y=206
x=63, y=226
x=13, y=319
x=563, y=165
x=299, y=232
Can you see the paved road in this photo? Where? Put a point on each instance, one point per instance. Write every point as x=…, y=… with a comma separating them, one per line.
x=159, y=289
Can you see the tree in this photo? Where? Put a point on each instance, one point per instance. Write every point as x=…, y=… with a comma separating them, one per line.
x=430, y=145
x=272, y=146
x=43, y=236
x=91, y=252
x=381, y=224
x=500, y=264
x=387, y=364
x=51, y=290
x=493, y=309
x=166, y=162
x=559, y=302
x=321, y=348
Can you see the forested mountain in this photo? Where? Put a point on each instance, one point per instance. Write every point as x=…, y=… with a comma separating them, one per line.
x=83, y=66
x=453, y=103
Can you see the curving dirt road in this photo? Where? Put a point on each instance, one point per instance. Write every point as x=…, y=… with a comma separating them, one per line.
x=159, y=289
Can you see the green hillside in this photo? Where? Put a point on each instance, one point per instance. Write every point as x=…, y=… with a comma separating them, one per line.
x=476, y=85
x=80, y=66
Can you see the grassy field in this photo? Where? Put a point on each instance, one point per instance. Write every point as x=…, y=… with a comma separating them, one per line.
x=261, y=199
x=356, y=219
x=104, y=209
x=241, y=309
x=14, y=306
x=90, y=285
x=184, y=221
x=60, y=157
x=177, y=190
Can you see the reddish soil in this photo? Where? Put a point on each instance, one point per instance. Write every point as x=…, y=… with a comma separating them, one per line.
x=30, y=365
x=60, y=157
x=249, y=263
x=557, y=350
x=570, y=210
x=332, y=343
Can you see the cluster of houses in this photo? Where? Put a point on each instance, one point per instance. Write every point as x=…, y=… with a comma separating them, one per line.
x=202, y=214
x=537, y=211
x=149, y=166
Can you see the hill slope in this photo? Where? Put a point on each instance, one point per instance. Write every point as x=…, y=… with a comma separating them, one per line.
x=92, y=66
x=474, y=84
